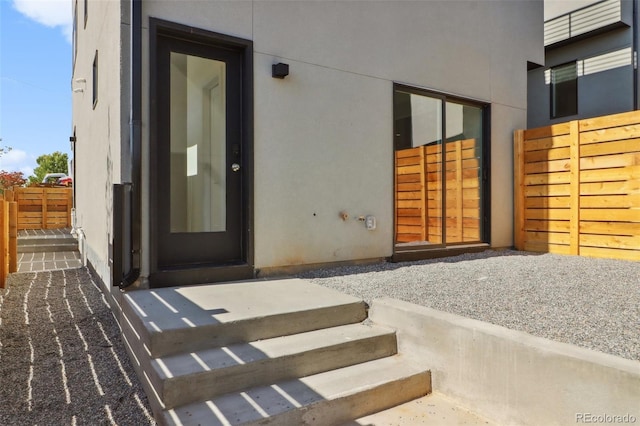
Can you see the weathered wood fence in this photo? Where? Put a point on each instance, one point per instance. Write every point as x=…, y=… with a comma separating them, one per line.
x=577, y=187
x=419, y=193
x=8, y=238
x=43, y=207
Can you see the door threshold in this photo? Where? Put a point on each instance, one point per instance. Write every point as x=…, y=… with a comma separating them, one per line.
x=421, y=252
x=200, y=275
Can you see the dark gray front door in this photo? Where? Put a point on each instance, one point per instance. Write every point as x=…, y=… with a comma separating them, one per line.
x=200, y=167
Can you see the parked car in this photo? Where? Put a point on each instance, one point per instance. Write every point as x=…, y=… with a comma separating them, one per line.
x=66, y=181
x=53, y=177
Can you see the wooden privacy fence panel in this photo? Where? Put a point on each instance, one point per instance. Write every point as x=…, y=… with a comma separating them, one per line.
x=44, y=208
x=419, y=193
x=577, y=187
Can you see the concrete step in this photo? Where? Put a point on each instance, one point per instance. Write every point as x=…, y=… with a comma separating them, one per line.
x=46, y=239
x=187, y=319
x=202, y=375
x=433, y=409
x=43, y=242
x=48, y=247
x=327, y=398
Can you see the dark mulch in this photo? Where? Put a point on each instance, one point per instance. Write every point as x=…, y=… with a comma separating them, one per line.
x=62, y=361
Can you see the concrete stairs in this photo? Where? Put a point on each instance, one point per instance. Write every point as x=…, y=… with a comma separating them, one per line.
x=46, y=241
x=281, y=352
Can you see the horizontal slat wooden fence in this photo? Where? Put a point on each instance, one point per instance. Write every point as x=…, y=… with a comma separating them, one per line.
x=419, y=193
x=577, y=187
x=43, y=207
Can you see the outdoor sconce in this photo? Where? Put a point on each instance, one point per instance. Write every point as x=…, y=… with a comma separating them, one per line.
x=279, y=70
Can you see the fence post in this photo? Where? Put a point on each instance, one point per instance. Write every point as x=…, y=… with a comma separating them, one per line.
x=5, y=232
x=44, y=209
x=69, y=206
x=3, y=243
x=9, y=195
x=13, y=237
x=574, y=155
x=518, y=189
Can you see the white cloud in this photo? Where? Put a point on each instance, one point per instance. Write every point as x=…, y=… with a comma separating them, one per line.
x=51, y=13
x=17, y=160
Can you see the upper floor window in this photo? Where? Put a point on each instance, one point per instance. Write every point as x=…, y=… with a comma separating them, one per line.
x=86, y=12
x=95, y=79
x=564, y=90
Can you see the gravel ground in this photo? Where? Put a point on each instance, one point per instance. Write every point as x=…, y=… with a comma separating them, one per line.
x=62, y=361
x=593, y=303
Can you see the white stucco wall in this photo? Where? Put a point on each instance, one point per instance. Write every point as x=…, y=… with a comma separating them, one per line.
x=323, y=136
x=100, y=130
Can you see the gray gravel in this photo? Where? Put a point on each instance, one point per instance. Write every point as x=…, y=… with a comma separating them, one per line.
x=62, y=361
x=593, y=303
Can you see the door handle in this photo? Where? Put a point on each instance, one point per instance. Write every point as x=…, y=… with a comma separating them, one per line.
x=235, y=167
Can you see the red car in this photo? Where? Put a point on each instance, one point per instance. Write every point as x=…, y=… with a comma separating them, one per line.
x=66, y=181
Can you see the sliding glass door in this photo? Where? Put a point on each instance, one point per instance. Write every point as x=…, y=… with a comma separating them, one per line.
x=440, y=174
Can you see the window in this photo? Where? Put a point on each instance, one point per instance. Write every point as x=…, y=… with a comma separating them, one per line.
x=95, y=80
x=86, y=12
x=564, y=90
x=441, y=194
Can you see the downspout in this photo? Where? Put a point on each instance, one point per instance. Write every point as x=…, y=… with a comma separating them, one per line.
x=135, y=146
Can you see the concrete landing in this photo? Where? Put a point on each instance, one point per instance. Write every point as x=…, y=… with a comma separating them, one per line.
x=180, y=319
x=47, y=250
x=431, y=410
x=48, y=261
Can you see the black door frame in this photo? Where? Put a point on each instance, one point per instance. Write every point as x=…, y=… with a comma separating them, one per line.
x=160, y=277
x=427, y=251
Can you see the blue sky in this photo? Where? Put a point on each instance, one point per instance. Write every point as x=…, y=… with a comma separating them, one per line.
x=35, y=75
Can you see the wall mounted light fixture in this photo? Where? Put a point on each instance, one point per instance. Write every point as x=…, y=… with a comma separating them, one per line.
x=279, y=70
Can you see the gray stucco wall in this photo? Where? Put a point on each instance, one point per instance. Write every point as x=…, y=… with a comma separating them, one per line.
x=601, y=93
x=323, y=136
x=101, y=128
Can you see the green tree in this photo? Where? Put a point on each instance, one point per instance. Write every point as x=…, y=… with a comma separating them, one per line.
x=49, y=163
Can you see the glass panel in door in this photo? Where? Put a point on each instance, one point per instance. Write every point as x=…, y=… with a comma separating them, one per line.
x=199, y=208
x=418, y=169
x=463, y=173
x=197, y=144
x=439, y=179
